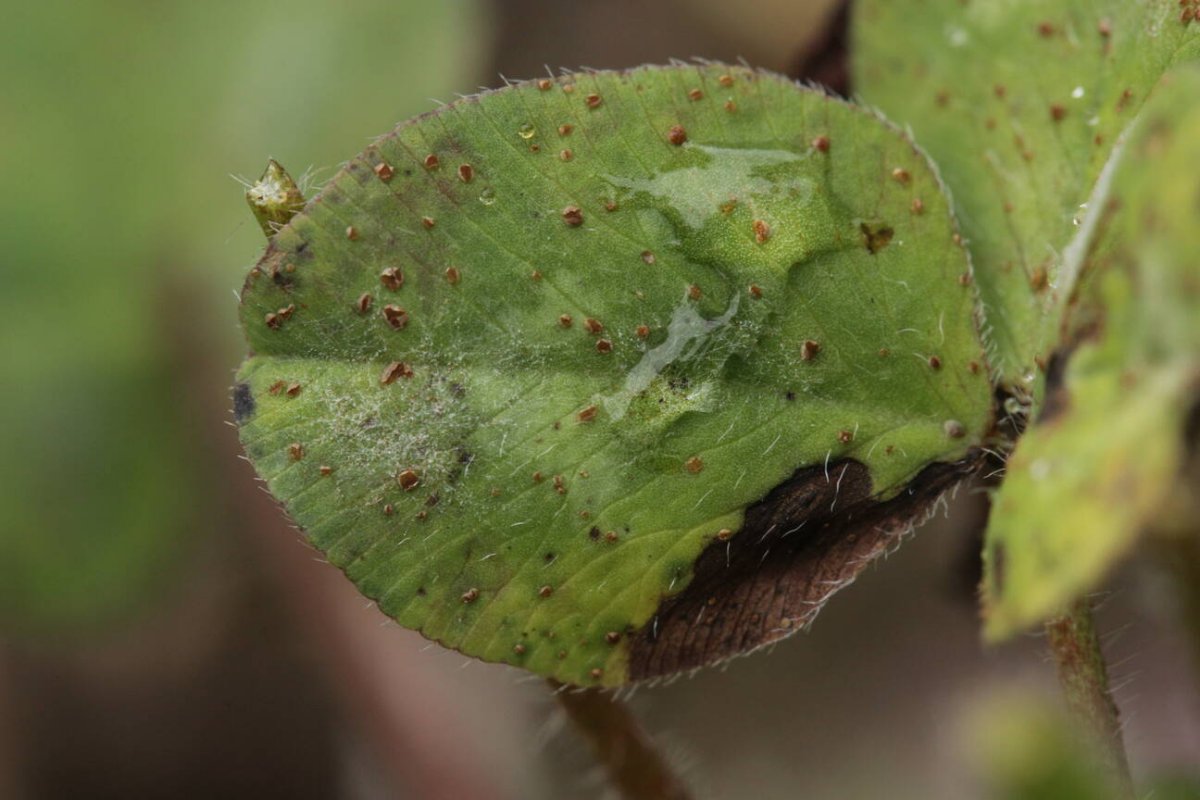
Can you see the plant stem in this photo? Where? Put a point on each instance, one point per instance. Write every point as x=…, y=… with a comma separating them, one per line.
x=1084, y=678
x=633, y=763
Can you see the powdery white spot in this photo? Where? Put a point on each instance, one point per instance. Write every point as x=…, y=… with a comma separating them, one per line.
x=686, y=333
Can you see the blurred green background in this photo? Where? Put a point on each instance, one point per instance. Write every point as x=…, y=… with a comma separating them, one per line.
x=123, y=122
x=162, y=630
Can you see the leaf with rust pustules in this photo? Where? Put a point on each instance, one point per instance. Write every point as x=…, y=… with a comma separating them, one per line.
x=1020, y=104
x=1114, y=451
x=614, y=375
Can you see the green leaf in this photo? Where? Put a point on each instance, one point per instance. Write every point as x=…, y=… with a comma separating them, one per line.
x=529, y=367
x=1105, y=459
x=1020, y=104
x=1026, y=748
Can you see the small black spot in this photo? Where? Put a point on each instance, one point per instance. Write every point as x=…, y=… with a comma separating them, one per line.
x=243, y=403
x=594, y=533
x=465, y=456
x=408, y=173
x=300, y=248
x=790, y=395
x=457, y=389
x=421, y=591
x=549, y=557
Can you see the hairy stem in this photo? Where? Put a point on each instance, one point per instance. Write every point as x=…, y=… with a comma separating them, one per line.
x=1084, y=678
x=633, y=763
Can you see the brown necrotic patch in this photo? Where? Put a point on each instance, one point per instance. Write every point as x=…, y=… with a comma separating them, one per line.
x=800, y=544
x=875, y=236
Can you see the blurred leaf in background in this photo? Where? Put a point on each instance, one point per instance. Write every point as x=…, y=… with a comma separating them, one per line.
x=1026, y=749
x=120, y=124
x=1174, y=787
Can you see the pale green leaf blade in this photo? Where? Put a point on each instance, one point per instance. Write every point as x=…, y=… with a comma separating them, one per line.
x=1026, y=748
x=1107, y=458
x=1020, y=104
x=625, y=306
